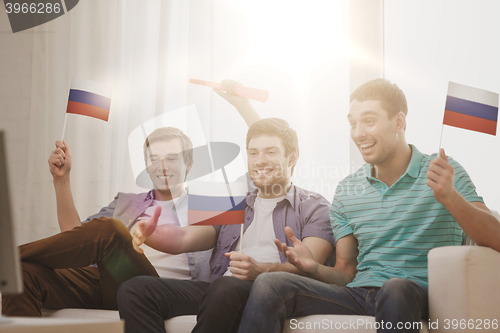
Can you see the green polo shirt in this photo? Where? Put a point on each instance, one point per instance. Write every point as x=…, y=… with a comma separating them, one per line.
x=396, y=226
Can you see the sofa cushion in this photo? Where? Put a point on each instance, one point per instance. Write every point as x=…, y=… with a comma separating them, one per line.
x=178, y=324
x=181, y=324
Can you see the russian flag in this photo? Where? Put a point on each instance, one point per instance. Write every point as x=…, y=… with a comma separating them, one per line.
x=213, y=203
x=471, y=108
x=89, y=98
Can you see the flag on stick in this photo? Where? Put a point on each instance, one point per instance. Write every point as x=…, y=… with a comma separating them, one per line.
x=471, y=108
x=89, y=98
x=212, y=203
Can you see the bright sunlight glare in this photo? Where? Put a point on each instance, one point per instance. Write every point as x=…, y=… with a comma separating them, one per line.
x=295, y=37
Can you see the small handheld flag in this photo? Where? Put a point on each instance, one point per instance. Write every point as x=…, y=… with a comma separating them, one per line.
x=471, y=108
x=88, y=98
x=211, y=203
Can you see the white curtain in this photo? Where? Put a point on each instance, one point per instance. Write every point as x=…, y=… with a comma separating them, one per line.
x=146, y=51
x=143, y=51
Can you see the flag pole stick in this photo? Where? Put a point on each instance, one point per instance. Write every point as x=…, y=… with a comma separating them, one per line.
x=211, y=158
x=234, y=205
x=64, y=126
x=241, y=237
x=440, y=139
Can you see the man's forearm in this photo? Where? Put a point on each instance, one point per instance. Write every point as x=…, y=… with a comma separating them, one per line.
x=247, y=112
x=67, y=215
x=281, y=267
x=175, y=240
x=476, y=221
x=331, y=275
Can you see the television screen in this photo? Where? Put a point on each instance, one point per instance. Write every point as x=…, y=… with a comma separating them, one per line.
x=10, y=267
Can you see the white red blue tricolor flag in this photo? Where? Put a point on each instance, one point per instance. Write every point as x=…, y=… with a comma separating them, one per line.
x=216, y=203
x=471, y=108
x=89, y=98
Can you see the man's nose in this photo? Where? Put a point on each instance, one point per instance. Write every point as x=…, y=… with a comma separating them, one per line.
x=358, y=132
x=164, y=166
x=260, y=159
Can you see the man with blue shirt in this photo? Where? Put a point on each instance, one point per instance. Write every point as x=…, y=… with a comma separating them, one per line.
x=385, y=217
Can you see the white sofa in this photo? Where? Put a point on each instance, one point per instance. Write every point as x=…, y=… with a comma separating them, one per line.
x=464, y=296
x=464, y=285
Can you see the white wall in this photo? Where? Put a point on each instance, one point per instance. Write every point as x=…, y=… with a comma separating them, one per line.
x=299, y=52
x=427, y=44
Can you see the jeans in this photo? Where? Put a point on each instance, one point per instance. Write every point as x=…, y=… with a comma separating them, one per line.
x=277, y=296
x=222, y=305
x=57, y=275
x=144, y=302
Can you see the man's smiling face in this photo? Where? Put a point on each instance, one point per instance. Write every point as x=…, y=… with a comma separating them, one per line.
x=267, y=165
x=373, y=131
x=166, y=167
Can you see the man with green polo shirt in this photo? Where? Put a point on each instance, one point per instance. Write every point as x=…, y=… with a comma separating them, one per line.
x=385, y=217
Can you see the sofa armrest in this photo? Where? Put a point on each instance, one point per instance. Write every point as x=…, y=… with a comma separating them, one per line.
x=464, y=284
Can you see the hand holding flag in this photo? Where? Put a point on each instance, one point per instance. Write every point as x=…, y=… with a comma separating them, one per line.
x=441, y=177
x=60, y=161
x=145, y=229
x=245, y=267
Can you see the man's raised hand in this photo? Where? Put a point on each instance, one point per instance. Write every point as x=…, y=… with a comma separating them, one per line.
x=299, y=255
x=60, y=161
x=440, y=178
x=145, y=229
x=241, y=104
x=227, y=94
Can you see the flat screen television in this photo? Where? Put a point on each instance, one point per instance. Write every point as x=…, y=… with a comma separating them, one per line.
x=10, y=265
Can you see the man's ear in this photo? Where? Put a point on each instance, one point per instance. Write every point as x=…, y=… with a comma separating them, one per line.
x=188, y=168
x=292, y=160
x=400, y=121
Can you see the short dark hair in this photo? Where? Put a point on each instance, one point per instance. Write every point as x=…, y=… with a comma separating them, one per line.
x=168, y=133
x=276, y=127
x=392, y=98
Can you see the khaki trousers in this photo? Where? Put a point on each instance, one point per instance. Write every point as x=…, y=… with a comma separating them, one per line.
x=57, y=275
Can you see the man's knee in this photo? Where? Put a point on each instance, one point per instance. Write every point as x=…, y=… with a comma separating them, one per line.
x=228, y=285
x=268, y=284
x=227, y=289
x=134, y=290
x=29, y=303
x=34, y=275
x=107, y=227
x=398, y=290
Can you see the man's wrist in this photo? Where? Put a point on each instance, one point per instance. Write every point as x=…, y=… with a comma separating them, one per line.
x=314, y=272
x=449, y=200
x=61, y=181
x=266, y=267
